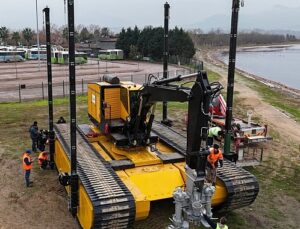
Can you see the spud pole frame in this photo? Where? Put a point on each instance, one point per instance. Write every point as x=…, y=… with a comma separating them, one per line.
x=231, y=70
x=46, y=10
x=74, y=176
x=165, y=119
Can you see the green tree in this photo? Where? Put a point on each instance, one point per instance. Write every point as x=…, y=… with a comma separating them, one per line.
x=84, y=34
x=181, y=44
x=150, y=42
x=4, y=34
x=65, y=34
x=143, y=42
x=16, y=37
x=156, y=43
x=134, y=36
x=97, y=35
x=122, y=42
x=134, y=53
x=28, y=35
x=105, y=32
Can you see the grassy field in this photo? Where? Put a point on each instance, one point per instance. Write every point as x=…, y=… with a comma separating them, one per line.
x=16, y=119
x=278, y=176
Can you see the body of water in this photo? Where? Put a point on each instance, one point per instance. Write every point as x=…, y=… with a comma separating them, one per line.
x=277, y=64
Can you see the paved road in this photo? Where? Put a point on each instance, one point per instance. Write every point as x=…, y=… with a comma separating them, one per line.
x=13, y=75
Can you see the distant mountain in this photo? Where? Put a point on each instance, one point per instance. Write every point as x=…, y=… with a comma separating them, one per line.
x=278, y=18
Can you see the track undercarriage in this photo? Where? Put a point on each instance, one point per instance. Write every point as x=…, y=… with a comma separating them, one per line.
x=117, y=186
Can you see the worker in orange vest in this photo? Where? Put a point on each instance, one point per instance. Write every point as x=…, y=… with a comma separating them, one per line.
x=43, y=160
x=220, y=225
x=27, y=166
x=215, y=156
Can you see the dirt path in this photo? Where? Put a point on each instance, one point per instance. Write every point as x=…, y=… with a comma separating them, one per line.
x=275, y=118
x=274, y=207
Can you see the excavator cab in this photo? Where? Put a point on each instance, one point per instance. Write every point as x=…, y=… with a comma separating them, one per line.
x=111, y=104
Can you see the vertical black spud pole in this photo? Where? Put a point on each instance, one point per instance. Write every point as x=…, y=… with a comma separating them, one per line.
x=165, y=59
x=72, y=81
x=231, y=71
x=46, y=10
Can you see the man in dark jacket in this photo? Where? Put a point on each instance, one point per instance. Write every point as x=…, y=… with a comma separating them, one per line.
x=34, y=134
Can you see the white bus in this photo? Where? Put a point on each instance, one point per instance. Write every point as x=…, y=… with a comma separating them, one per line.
x=111, y=54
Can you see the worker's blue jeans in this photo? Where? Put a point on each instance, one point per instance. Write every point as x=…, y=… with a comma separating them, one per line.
x=27, y=175
x=34, y=144
x=210, y=141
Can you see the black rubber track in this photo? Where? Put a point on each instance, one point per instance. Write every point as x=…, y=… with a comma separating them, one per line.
x=113, y=204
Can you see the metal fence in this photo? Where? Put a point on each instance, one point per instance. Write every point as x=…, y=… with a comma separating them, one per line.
x=26, y=92
x=192, y=63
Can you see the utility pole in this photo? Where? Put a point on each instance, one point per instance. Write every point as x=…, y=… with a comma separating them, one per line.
x=37, y=33
x=72, y=81
x=231, y=71
x=165, y=119
x=50, y=95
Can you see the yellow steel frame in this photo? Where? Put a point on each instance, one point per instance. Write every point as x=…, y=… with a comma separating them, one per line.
x=85, y=212
x=150, y=180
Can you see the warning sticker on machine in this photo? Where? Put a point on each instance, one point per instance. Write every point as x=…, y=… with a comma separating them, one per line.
x=93, y=99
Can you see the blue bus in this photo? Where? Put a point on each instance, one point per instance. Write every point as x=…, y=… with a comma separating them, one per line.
x=12, y=56
x=33, y=54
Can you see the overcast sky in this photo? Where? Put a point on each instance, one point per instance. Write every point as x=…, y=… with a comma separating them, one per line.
x=17, y=14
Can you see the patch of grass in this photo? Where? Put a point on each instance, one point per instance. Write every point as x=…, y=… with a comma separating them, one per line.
x=276, y=177
x=173, y=106
x=288, y=183
x=274, y=97
x=275, y=214
x=275, y=134
x=16, y=119
x=235, y=220
x=212, y=76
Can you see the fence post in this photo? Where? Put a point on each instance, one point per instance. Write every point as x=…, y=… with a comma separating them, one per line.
x=145, y=77
x=131, y=78
x=63, y=88
x=82, y=89
x=20, y=99
x=43, y=94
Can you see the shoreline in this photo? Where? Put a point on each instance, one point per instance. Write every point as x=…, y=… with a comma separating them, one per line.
x=213, y=57
x=257, y=46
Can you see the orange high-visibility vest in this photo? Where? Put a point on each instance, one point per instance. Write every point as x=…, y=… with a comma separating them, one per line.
x=27, y=167
x=42, y=157
x=212, y=158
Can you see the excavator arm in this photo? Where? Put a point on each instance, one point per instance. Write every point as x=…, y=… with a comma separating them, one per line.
x=198, y=98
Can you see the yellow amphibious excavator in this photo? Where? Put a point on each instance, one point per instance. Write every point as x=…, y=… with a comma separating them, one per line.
x=126, y=160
